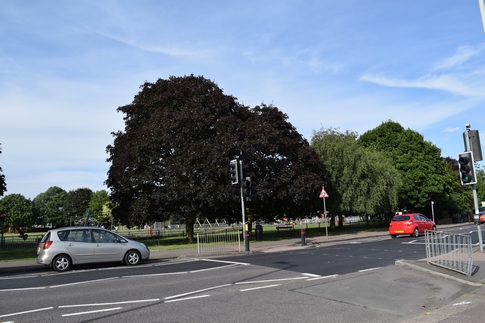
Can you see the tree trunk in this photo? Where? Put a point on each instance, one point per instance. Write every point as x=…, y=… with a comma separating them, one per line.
x=189, y=227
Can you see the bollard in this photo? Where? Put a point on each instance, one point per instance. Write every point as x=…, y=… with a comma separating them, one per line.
x=303, y=237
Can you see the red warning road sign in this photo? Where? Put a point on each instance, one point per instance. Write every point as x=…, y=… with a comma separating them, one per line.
x=323, y=194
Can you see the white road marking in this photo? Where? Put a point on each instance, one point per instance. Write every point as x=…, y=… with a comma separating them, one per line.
x=160, y=274
x=227, y=262
x=261, y=287
x=269, y=280
x=27, y=312
x=112, y=303
x=370, y=269
x=207, y=269
x=311, y=275
x=84, y=282
x=185, y=299
x=323, y=277
x=197, y=291
x=21, y=289
x=91, y=312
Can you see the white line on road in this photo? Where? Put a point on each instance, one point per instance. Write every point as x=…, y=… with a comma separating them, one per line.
x=91, y=312
x=197, y=291
x=160, y=274
x=20, y=289
x=227, y=262
x=269, y=280
x=207, y=269
x=27, y=312
x=85, y=282
x=261, y=287
x=186, y=298
x=322, y=277
x=370, y=269
x=112, y=303
x=311, y=275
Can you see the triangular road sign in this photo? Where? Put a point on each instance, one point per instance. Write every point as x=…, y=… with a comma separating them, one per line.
x=323, y=194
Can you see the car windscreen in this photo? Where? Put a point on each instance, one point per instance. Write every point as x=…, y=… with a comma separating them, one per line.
x=399, y=218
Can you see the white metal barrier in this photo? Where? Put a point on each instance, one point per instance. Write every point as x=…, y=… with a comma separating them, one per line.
x=219, y=242
x=449, y=250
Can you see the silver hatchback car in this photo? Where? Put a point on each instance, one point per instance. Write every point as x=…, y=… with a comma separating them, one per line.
x=64, y=247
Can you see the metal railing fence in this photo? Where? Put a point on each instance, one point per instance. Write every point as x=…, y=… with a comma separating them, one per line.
x=17, y=242
x=219, y=242
x=449, y=250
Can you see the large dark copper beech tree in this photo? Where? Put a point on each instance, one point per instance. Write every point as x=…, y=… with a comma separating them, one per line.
x=172, y=159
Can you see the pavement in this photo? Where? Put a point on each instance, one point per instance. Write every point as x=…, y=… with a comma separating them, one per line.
x=469, y=306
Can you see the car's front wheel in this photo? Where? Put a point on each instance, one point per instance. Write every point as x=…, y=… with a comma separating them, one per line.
x=132, y=258
x=61, y=263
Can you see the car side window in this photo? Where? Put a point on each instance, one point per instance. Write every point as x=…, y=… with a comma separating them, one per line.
x=102, y=236
x=79, y=236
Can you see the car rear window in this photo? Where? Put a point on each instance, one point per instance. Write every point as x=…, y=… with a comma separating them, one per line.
x=46, y=237
x=399, y=218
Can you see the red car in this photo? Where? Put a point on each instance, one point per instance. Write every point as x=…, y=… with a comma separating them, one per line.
x=481, y=212
x=410, y=223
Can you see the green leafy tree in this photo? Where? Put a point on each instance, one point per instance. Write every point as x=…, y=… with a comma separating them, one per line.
x=99, y=206
x=76, y=204
x=19, y=209
x=3, y=184
x=172, y=159
x=360, y=181
x=48, y=207
x=424, y=173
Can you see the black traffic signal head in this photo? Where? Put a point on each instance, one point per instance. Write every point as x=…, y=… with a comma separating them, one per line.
x=467, y=168
x=249, y=189
x=233, y=171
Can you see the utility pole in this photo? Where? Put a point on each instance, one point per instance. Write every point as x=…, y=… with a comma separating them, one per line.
x=476, y=217
x=481, y=4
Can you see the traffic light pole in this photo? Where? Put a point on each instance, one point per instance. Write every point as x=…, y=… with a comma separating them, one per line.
x=243, y=209
x=476, y=217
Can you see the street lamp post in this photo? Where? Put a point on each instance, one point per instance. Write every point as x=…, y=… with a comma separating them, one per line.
x=432, y=209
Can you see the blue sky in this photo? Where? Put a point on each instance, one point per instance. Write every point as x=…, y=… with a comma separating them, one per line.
x=66, y=66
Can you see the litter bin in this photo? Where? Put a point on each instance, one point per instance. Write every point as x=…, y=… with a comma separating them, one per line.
x=259, y=232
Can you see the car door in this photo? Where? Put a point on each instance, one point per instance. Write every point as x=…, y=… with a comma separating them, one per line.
x=106, y=246
x=79, y=245
x=427, y=223
x=419, y=222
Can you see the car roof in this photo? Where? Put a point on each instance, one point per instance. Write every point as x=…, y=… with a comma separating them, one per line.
x=76, y=227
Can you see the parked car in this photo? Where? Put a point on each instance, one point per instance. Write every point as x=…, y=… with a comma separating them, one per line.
x=64, y=247
x=481, y=212
x=410, y=223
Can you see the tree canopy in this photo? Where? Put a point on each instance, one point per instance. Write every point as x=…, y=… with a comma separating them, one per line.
x=76, y=204
x=173, y=157
x=424, y=174
x=360, y=181
x=48, y=207
x=19, y=209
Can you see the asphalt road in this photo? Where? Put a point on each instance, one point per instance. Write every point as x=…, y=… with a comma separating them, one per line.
x=351, y=281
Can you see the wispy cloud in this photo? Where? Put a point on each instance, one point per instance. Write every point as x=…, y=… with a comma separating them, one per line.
x=456, y=84
x=462, y=54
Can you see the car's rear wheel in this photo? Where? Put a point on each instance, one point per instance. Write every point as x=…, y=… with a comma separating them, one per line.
x=415, y=233
x=434, y=229
x=132, y=258
x=62, y=263
x=393, y=235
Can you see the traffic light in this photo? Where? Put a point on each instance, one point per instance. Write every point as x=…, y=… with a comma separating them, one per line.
x=249, y=189
x=467, y=168
x=233, y=171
